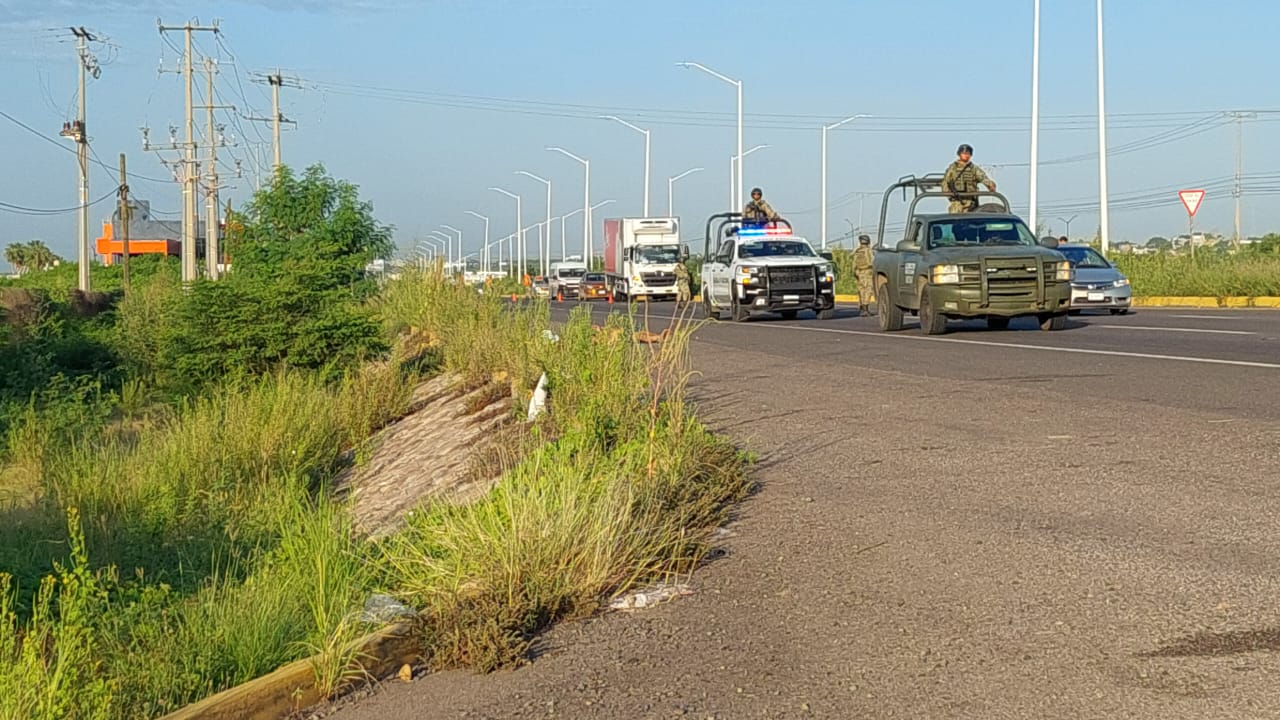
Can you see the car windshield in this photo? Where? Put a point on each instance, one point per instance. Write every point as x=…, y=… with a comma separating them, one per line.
x=771, y=248
x=571, y=272
x=979, y=231
x=657, y=254
x=593, y=278
x=1084, y=257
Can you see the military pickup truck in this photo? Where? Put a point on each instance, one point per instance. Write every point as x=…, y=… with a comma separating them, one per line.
x=980, y=264
x=751, y=267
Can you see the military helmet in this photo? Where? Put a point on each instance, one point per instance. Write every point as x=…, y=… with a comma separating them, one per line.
x=965, y=148
x=864, y=239
x=756, y=190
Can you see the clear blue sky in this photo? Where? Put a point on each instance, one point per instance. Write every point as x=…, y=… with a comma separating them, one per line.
x=934, y=73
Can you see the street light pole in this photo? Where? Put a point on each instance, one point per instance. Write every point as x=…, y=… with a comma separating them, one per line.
x=1103, y=221
x=737, y=199
x=518, y=239
x=646, y=134
x=1067, y=222
x=671, y=181
x=448, y=244
x=461, y=261
x=544, y=243
x=1035, y=112
x=586, y=202
x=484, y=255
x=825, y=129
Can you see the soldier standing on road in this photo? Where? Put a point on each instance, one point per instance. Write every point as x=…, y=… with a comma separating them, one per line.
x=683, y=294
x=963, y=176
x=863, y=258
x=758, y=210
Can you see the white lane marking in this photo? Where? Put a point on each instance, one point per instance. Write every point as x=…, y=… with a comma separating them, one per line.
x=1022, y=346
x=1209, y=317
x=1170, y=329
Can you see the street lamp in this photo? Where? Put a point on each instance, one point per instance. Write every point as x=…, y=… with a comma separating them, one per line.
x=433, y=240
x=447, y=242
x=586, y=201
x=646, y=155
x=737, y=201
x=461, y=261
x=543, y=256
x=671, y=181
x=826, y=128
x=732, y=161
x=1067, y=222
x=1035, y=112
x=1103, y=223
x=517, y=240
x=484, y=255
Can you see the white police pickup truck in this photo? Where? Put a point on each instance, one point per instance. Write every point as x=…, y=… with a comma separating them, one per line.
x=763, y=267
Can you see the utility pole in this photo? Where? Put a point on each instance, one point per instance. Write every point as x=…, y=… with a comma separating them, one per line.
x=214, y=141
x=75, y=131
x=1238, y=189
x=124, y=221
x=276, y=81
x=190, y=176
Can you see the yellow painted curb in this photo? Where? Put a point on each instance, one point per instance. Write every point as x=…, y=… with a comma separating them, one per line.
x=839, y=299
x=293, y=687
x=1207, y=302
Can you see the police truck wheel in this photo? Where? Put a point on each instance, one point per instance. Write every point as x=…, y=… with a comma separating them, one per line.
x=788, y=314
x=931, y=321
x=890, y=315
x=707, y=309
x=739, y=313
x=827, y=313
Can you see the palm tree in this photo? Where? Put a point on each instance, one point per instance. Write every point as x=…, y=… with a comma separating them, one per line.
x=18, y=255
x=40, y=255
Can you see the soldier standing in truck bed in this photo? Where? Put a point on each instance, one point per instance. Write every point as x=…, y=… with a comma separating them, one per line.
x=963, y=176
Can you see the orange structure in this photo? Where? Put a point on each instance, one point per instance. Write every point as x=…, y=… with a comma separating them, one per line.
x=146, y=236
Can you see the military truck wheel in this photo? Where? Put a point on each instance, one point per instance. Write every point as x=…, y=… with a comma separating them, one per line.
x=995, y=322
x=707, y=308
x=931, y=321
x=788, y=314
x=890, y=315
x=1053, y=322
x=1119, y=311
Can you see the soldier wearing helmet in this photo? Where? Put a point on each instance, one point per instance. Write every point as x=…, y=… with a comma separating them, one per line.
x=863, y=262
x=758, y=210
x=963, y=177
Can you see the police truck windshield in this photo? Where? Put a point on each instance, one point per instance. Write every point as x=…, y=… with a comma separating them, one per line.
x=772, y=248
x=979, y=232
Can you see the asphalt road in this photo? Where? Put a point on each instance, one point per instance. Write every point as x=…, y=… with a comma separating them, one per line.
x=1010, y=524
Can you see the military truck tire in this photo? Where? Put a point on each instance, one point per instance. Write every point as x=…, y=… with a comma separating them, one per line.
x=1050, y=323
x=788, y=314
x=1119, y=311
x=931, y=321
x=890, y=315
x=995, y=322
x=708, y=309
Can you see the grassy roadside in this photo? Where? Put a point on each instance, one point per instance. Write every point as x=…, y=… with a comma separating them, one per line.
x=135, y=580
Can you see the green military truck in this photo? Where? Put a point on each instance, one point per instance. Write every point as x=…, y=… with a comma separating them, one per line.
x=980, y=264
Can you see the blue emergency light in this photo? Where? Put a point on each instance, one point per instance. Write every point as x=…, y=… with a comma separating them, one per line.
x=763, y=232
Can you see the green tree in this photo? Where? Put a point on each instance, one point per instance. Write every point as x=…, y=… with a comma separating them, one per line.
x=18, y=255
x=1159, y=243
x=295, y=294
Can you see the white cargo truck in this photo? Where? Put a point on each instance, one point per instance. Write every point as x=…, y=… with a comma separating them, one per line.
x=640, y=257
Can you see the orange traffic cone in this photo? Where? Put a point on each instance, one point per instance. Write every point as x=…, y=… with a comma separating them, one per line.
x=559, y=296
x=610, y=298
x=513, y=297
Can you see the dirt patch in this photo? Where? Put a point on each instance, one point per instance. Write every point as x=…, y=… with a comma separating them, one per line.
x=440, y=449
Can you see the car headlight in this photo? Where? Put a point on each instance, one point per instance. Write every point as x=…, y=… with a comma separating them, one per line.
x=748, y=274
x=1122, y=282
x=635, y=279
x=945, y=274
x=1063, y=271
x=825, y=274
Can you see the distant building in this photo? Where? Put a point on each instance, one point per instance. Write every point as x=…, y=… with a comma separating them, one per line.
x=147, y=236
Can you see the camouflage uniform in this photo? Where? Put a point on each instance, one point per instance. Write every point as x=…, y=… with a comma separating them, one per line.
x=758, y=211
x=683, y=295
x=963, y=177
x=863, y=258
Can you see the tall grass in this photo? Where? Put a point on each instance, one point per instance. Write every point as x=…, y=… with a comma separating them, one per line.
x=1208, y=274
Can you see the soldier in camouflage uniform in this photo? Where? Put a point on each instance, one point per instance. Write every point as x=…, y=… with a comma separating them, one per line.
x=683, y=295
x=963, y=176
x=758, y=210
x=863, y=258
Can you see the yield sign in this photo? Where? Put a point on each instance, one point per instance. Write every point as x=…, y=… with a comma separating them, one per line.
x=1191, y=200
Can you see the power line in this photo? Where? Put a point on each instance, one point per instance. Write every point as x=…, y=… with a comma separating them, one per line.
x=21, y=210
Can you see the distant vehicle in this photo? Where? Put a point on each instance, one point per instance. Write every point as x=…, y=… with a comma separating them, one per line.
x=541, y=287
x=595, y=285
x=566, y=279
x=980, y=264
x=640, y=257
x=1098, y=285
x=763, y=267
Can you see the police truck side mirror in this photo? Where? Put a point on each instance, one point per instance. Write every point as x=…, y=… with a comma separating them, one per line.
x=827, y=255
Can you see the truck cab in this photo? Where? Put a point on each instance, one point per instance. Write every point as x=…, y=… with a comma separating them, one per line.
x=981, y=264
x=758, y=267
x=564, y=280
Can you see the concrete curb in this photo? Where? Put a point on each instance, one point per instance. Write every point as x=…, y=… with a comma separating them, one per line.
x=1207, y=302
x=293, y=688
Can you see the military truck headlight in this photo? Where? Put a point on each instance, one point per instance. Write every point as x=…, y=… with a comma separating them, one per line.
x=945, y=274
x=1064, y=271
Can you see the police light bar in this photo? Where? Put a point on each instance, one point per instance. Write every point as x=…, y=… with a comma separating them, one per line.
x=763, y=232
